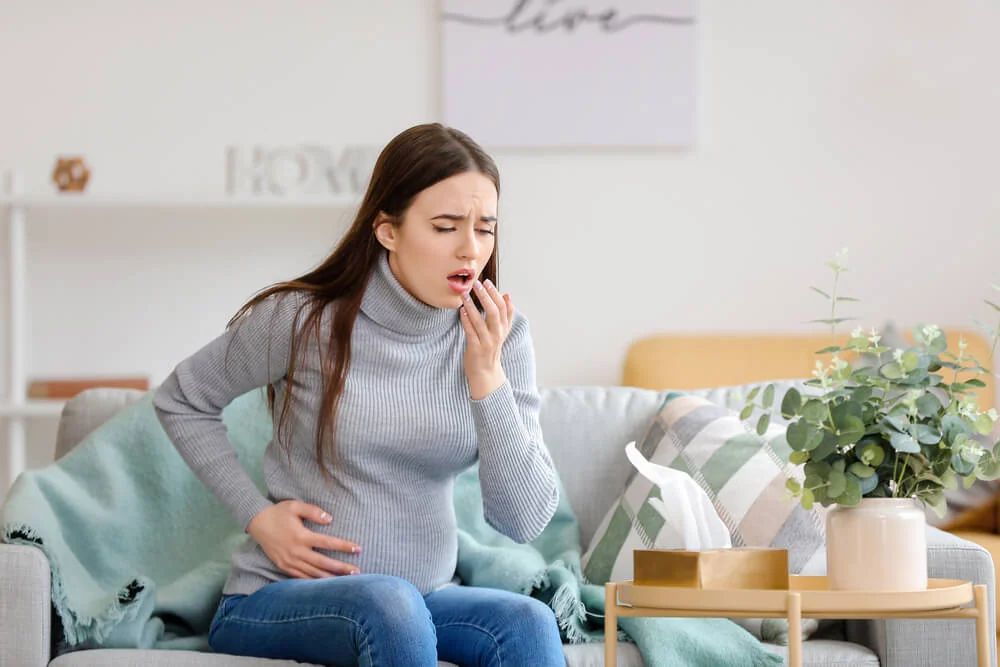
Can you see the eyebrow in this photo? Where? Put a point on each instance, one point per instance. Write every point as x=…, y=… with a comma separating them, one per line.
x=458, y=218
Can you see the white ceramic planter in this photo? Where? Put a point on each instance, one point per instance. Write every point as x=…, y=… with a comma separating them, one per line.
x=879, y=544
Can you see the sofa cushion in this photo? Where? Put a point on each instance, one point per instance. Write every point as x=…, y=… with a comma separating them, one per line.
x=577, y=655
x=743, y=474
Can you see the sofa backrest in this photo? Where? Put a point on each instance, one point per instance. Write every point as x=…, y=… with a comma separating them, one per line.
x=585, y=428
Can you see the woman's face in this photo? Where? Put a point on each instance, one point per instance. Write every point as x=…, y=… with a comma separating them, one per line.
x=449, y=228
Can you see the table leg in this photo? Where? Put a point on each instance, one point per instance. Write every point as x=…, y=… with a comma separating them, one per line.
x=982, y=625
x=610, y=625
x=794, y=630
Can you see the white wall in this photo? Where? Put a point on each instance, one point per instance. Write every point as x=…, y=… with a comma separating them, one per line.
x=822, y=125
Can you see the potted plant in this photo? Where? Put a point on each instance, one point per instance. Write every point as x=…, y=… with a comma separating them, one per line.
x=877, y=439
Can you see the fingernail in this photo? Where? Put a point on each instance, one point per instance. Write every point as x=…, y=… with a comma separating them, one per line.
x=355, y=571
x=489, y=283
x=479, y=285
x=467, y=297
x=324, y=516
x=356, y=550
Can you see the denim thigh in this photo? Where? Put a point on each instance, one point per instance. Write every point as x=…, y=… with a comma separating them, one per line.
x=485, y=627
x=367, y=620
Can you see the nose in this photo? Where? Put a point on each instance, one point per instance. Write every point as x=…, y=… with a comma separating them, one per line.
x=468, y=244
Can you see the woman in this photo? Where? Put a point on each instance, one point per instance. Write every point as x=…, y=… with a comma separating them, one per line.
x=389, y=369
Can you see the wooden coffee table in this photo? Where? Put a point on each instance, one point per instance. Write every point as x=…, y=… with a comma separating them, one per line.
x=806, y=597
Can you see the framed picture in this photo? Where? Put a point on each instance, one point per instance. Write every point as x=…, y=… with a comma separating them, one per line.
x=569, y=73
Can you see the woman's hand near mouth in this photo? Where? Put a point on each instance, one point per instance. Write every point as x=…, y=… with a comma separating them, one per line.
x=484, y=338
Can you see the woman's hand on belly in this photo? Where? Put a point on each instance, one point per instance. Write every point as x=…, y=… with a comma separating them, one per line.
x=280, y=532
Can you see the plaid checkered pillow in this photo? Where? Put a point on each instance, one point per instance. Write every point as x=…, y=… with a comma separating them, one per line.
x=743, y=474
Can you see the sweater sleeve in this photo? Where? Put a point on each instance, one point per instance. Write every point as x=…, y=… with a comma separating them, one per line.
x=518, y=479
x=252, y=353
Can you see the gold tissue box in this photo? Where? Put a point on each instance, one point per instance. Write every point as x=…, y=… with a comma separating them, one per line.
x=738, y=567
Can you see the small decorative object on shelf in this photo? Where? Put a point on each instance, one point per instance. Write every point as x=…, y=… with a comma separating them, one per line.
x=71, y=174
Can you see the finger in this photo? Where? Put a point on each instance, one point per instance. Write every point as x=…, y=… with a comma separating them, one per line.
x=330, y=565
x=294, y=572
x=476, y=319
x=493, y=323
x=333, y=543
x=312, y=513
x=470, y=331
x=510, y=307
x=497, y=298
x=311, y=571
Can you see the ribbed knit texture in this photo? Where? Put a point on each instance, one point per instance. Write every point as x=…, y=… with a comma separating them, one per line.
x=406, y=426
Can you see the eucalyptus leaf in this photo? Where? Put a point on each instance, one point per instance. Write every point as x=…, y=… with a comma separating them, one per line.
x=827, y=446
x=819, y=291
x=814, y=410
x=988, y=468
x=840, y=412
x=763, y=423
x=745, y=413
x=936, y=501
x=927, y=435
x=910, y=360
x=807, y=499
x=868, y=484
x=769, y=396
x=852, y=492
x=902, y=442
x=798, y=458
x=814, y=440
x=793, y=485
x=952, y=425
x=791, y=403
x=797, y=434
x=838, y=483
x=928, y=405
x=861, y=471
x=850, y=431
x=753, y=394
x=891, y=371
x=984, y=424
x=962, y=466
x=872, y=454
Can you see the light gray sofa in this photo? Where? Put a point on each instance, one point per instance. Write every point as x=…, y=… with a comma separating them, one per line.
x=586, y=429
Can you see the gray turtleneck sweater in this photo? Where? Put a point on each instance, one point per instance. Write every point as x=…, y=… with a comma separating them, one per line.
x=406, y=427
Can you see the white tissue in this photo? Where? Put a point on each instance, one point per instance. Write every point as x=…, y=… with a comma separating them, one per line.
x=684, y=505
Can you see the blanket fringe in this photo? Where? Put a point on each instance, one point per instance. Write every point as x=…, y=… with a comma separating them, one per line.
x=78, y=628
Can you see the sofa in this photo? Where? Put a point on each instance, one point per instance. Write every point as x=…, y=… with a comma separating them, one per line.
x=585, y=429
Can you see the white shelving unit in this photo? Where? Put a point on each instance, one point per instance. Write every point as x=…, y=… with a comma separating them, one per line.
x=15, y=408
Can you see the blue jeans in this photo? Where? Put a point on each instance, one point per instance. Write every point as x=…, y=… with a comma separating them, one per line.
x=373, y=620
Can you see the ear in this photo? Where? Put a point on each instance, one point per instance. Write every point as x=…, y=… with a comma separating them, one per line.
x=385, y=231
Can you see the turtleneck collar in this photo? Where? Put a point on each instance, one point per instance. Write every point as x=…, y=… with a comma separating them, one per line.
x=388, y=303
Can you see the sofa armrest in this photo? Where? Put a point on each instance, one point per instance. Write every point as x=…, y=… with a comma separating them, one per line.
x=25, y=606
x=930, y=643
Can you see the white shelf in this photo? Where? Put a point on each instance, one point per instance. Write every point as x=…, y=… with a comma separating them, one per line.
x=35, y=408
x=85, y=200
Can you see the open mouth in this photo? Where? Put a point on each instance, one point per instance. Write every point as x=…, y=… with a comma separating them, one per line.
x=460, y=281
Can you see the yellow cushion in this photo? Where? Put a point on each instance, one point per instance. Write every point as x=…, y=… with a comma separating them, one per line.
x=686, y=361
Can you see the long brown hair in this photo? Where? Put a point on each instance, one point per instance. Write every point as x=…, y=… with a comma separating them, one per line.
x=414, y=160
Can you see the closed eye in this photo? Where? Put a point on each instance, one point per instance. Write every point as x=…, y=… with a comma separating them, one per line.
x=451, y=229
